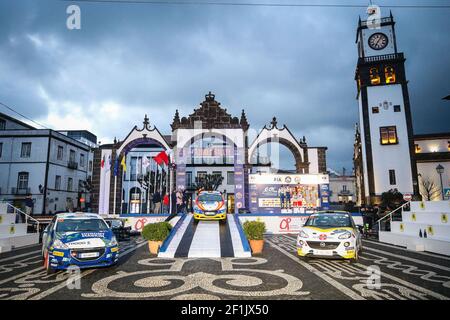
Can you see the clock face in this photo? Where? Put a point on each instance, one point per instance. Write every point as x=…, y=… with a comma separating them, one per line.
x=378, y=41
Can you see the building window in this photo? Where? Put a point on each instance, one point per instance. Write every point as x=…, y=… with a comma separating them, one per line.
x=72, y=156
x=397, y=108
x=81, y=160
x=189, y=179
x=2, y=124
x=392, y=179
x=388, y=135
x=344, y=187
x=389, y=74
x=69, y=184
x=230, y=177
x=58, y=183
x=201, y=175
x=375, y=110
x=60, y=154
x=1, y=149
x=90, y=165
x=374, y=76
x=22, y=180
x=80, y=185
x=26, y=150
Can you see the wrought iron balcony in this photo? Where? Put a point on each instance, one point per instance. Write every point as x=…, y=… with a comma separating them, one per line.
x=72, y=165
x=20, y=191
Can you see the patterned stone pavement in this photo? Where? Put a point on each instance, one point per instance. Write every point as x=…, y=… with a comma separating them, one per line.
x=276, y=274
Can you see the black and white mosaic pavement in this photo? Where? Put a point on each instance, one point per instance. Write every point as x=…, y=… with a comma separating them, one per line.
x=277, y=274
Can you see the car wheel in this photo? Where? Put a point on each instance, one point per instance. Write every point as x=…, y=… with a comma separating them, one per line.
x=47, y=266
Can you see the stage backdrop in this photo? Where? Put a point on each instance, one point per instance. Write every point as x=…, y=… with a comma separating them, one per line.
x=288, y=193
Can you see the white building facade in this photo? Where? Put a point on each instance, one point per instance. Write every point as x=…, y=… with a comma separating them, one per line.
x=43, y=164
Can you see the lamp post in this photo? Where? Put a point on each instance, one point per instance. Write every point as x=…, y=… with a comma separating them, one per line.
x=440, y=171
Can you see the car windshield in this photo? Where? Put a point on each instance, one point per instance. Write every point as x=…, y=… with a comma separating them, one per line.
x=78, y=225
x=210, y=197
x=332, y=220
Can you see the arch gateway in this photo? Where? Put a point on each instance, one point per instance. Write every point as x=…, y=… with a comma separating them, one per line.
x=209, y=141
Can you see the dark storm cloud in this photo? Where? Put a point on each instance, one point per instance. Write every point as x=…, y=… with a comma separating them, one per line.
x=130, y=59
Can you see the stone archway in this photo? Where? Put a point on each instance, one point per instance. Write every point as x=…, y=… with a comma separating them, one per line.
x=182, y=153
x=284, y=137
x=109, y=186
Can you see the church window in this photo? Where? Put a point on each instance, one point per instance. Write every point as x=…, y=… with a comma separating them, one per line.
x=389, y=74
x=388, y=135
x=374, y=76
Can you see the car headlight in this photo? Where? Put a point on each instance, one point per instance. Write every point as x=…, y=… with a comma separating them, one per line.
x=58, y=244
x=113, y=241
x=303, y=234
x=345, y=235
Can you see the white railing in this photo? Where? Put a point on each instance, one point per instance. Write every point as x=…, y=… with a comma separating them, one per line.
x=17, y=211
x=389, y=215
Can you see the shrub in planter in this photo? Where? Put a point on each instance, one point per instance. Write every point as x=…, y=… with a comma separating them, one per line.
x=254, y=231
x=155, y=234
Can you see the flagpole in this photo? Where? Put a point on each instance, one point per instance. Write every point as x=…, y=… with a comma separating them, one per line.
x=170, y=188
x=156, y=175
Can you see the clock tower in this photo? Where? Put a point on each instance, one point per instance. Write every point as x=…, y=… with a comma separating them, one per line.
x=385, y=125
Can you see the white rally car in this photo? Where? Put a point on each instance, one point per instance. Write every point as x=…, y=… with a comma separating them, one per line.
x=329, y=234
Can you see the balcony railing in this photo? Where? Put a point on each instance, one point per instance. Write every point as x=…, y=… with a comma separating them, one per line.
x=376, y=21
x=384, y=57
x=72, y=165
x=20, y=190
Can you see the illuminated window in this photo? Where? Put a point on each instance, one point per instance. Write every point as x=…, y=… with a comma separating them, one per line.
x=388, y=135
x=418, y=148
x=389, y=74
x=374, y=76
x=375, y=110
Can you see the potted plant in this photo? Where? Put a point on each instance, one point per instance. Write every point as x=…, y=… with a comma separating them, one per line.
x=155, y=234
x=254, y=231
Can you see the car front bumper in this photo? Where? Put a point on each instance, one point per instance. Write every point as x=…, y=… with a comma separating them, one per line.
x=339, y=251
x=61, y=259
x=217, y=216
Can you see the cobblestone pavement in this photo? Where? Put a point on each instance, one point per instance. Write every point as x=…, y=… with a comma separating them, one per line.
x=276, y=274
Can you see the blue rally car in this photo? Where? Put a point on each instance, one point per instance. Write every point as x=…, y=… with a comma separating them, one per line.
x=78, y=239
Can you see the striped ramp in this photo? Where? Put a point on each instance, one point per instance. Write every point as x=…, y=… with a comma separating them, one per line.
x=206, y=239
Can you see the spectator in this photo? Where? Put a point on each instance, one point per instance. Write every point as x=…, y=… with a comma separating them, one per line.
x=166, y=203
x=179, y=201
x=29, y=205
x=156, y=202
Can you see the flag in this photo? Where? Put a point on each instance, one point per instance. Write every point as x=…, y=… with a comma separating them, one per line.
x=145, y=162
x=116, y=165
x=108, y=164
x=123, y=164
x=102, y=163
x=161, y=158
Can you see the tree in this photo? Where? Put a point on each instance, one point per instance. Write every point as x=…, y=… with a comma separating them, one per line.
x=391, y=199
x=430, y=190
x=208, y=182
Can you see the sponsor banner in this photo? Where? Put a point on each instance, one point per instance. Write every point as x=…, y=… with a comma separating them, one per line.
x=285, y=223
x=275, y=198
x=289, y=179
x=137, y=223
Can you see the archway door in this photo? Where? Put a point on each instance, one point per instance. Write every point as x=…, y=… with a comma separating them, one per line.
x=284, y=137
x=184, y=155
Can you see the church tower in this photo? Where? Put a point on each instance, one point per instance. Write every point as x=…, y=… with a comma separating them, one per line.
x=385, y=124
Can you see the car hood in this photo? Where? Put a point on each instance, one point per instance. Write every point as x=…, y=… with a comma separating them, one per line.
x=326, y=233
x=209, y=205
x=85, y=239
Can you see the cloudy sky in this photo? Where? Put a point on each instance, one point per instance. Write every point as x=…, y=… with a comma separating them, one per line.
x=134, y=59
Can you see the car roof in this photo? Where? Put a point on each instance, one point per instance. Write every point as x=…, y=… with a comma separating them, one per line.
x=78, y=215
x=332, y=211
x=211, y=192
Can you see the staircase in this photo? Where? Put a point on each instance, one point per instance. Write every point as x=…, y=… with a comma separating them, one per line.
x=425, y=227
x=17, y=229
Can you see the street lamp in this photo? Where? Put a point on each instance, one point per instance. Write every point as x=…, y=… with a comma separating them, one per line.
x=440, y=171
